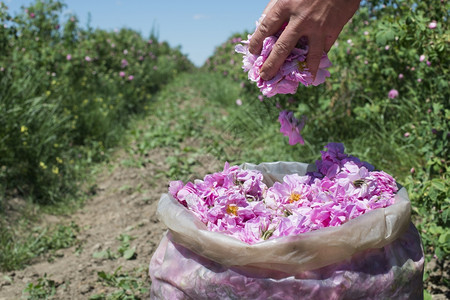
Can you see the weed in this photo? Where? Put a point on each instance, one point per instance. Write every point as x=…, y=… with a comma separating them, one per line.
x=127, y=286
x=124, y=250
x=45, y=288
x=17, y=251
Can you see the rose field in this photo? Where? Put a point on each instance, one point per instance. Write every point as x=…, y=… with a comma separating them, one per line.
x=95, y=125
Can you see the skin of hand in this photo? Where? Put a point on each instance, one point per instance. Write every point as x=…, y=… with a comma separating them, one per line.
x=321, y=21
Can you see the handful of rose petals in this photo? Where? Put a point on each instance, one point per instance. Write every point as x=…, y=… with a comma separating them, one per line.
x=293, y=71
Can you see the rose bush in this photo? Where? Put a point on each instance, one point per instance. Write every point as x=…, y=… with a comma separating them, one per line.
x=67, y=93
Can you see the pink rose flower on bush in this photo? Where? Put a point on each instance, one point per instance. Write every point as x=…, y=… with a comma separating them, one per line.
x=432, y=24
x=393, y=94
x=292, y=72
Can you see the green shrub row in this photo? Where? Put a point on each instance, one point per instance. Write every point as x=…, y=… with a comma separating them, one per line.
x=66, y=92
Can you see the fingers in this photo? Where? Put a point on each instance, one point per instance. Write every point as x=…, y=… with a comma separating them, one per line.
x=270, y=25
x=332, y=33
x=280, y=51
x=329, y=41
x=269, y=6
x=316, y=20
x=315, y=53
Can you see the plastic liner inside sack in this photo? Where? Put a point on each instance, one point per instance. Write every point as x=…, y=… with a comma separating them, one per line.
x=375, y=256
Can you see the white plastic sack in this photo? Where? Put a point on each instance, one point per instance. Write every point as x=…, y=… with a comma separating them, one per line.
x=375, y=256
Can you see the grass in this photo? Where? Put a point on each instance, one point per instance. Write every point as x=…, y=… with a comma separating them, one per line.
x=19, y=249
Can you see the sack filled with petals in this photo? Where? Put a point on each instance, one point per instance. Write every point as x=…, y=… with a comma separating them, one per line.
x=333, y=230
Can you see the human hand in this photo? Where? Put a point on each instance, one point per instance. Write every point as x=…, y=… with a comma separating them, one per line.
x=320, y=21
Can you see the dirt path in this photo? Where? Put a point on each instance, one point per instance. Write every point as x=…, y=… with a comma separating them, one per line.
x=117, y=208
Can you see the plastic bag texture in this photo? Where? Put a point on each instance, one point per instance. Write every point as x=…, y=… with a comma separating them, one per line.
x=375, y=256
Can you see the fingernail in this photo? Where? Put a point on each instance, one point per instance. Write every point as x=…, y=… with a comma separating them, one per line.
x=263, y=75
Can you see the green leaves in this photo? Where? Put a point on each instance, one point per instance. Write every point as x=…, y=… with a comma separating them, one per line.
x=105, y=254
x=440, y=184
x=385, y=34
x=45, y=288
x=127, y=286
x=129, y=253
x=124, y=250
x=16, y=252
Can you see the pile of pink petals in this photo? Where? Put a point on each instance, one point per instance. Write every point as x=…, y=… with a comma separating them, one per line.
x=292, y=72
x=237, y=203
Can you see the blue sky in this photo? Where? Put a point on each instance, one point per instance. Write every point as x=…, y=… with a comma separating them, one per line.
x=198, y=26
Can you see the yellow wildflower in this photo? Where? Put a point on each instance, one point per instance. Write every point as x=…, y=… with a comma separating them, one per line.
x=55, y=170
x=42, y=165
